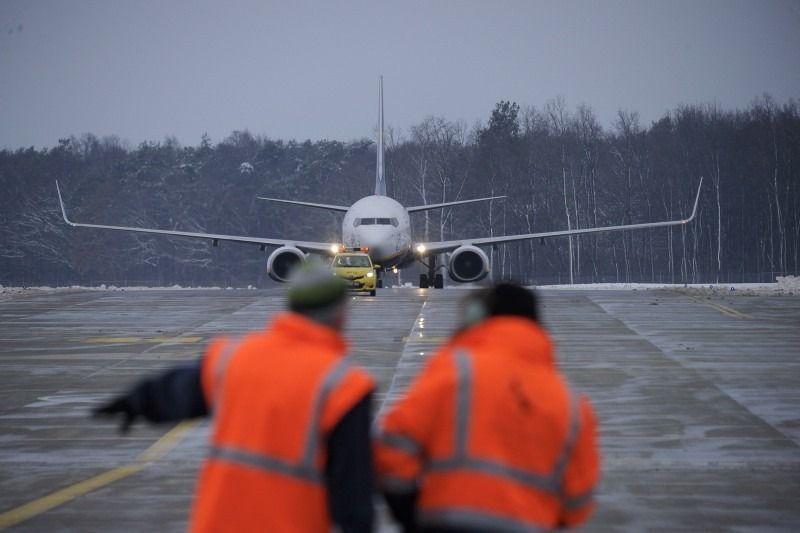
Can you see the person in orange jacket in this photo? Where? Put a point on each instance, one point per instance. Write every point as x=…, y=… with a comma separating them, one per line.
x=490, y=437
x=290, y=447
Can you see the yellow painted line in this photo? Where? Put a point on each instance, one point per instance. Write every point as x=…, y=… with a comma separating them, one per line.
x=158, y=450
x=133, y=340
x=163, y=445
x=724, y=309
x=734, y=312
x=60, y=497
x=728, y=311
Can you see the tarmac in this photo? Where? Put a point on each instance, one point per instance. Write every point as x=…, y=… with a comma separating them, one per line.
x=698, y=399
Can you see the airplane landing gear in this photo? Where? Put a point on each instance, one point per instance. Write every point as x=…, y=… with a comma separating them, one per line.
x=432, y=278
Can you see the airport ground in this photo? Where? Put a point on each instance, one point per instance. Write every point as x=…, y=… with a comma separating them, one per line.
x=698, y=397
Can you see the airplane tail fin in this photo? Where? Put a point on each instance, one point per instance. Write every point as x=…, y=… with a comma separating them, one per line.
x=380, y=178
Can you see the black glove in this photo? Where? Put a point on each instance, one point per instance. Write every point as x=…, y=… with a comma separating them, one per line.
x=120, y=405
x=174, y=395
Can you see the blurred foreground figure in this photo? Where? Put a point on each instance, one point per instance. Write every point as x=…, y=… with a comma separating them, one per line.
x=490, y=437
x=289, y=445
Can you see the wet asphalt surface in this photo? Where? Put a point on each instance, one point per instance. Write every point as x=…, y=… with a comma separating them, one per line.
x=698, y=398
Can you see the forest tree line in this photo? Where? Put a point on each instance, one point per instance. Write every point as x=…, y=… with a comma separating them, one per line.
x=558, y=168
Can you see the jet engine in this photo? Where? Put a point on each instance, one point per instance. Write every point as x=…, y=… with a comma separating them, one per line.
x=281, y=262
x=468, y=263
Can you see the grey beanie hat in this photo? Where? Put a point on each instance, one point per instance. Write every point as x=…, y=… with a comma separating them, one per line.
x=314, y=287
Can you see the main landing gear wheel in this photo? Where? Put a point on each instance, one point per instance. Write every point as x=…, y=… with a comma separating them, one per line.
x=438, y=282
x=423, y=281
x=372, y=292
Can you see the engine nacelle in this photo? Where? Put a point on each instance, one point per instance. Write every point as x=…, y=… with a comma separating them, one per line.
x=468, y=263
x=282, y=261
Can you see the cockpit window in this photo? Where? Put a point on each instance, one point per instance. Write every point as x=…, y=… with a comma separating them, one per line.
x=376, y=222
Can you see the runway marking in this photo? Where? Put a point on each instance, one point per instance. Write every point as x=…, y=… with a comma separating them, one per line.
x=155, y=452
x=405, y=359
x=724, y=309
x=421, y=337
x=133, y=340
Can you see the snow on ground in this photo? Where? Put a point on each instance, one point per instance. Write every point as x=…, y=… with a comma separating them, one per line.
x=784, y=285
x=789, y=285
x=10, y=292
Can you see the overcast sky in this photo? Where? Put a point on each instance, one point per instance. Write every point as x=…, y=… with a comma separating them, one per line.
x=147, y=69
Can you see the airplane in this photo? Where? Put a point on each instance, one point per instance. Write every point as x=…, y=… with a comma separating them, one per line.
x=381, y=226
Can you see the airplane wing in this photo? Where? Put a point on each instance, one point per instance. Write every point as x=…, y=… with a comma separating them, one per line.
x=306, y=246
x=445, y=246
x=416, y=208
x=342, y=208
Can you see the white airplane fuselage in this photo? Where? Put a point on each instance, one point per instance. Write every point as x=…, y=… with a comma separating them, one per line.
x=382, y=225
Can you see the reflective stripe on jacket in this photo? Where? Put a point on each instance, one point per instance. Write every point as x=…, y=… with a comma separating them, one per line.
x=275, y=395
x=491, y=435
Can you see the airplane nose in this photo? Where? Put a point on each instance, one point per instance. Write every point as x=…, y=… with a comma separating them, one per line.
x=378, y=243
x=377, y=249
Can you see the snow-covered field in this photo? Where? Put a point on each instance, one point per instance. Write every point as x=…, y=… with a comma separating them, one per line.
x=7, y=292
x=784, y=285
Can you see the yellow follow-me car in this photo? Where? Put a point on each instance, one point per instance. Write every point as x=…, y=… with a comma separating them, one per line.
x=357, y=269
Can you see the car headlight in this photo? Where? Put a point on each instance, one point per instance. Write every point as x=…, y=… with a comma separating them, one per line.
x=370, y=274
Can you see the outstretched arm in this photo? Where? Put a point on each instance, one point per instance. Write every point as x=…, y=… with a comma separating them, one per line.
x=172, y=396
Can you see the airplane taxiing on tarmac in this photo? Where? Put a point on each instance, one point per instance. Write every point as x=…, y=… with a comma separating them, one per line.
x=382, y=226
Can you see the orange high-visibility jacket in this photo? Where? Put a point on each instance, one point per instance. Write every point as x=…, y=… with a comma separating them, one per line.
x=275, y=395
x=491, y=435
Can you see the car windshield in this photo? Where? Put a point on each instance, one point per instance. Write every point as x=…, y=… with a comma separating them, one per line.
x=352, y=261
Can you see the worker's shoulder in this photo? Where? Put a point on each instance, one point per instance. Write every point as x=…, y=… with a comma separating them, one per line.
x=241, y=343
x=442, y=367
x=246, y=340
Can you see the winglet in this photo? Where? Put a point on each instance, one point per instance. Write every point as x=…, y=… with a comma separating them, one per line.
x=63, y=209
x=696, y=201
